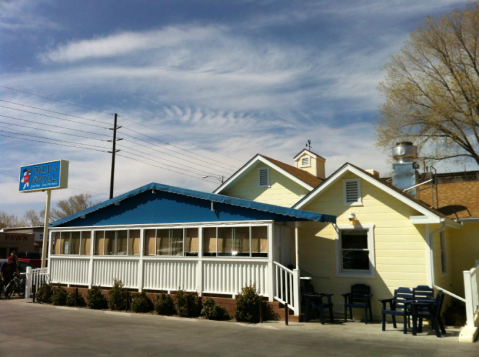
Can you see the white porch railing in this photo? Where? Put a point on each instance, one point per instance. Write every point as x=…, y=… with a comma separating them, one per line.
x=471, y=290
x=286, y=289
x=36, y=277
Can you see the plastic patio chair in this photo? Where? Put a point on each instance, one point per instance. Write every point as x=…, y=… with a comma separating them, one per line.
x=429, y=310
x=314, y=301
x=359, y=297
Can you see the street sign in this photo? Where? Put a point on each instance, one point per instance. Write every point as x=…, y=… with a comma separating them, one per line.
x=51, y=175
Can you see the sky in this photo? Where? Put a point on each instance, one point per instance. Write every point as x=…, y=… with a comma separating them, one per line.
x=200, y=87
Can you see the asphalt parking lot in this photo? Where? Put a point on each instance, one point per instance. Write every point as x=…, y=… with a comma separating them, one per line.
x=45, y=330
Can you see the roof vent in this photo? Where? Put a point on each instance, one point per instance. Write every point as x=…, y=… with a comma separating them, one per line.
x=405, y=174
x=404, y=152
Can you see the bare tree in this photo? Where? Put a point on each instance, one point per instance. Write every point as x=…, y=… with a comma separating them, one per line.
x=10, y=220
x=431, y=89
x=70, y=206
x=32, y=218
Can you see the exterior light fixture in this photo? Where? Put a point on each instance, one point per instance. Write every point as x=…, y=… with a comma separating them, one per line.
x=352, y=218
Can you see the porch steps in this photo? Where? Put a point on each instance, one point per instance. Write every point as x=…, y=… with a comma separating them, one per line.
x=277, y=311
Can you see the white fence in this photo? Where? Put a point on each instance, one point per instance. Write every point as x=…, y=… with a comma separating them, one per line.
x=170, y=275
x=36, y=277
x=287, y=287
x=471, y=290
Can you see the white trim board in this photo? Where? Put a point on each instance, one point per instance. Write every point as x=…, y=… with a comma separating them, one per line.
x=250, y=166
x=349, y=168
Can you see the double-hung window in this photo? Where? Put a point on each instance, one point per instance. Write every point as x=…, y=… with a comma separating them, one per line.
x=355, y=251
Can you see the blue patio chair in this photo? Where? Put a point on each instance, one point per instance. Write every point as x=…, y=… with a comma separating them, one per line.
x=314, y=301
x=399, y=305
x=422, y=292
x=359, y=297
x=429, y=310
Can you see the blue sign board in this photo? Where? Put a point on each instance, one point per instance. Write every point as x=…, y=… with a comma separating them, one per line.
x=44, y=176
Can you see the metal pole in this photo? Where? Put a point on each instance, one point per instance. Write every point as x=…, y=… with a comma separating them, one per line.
x=286, y=314
x=112, y=179
x=45, y=229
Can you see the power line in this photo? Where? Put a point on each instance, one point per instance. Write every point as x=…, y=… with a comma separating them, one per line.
x=52, y=131
x=49, y=116
x=51, y=111
x=55, y=126
x=56, y=100
x=179, y=138
x=162, y=167
x=42, y=137
x=47, y=142
x=216, y=162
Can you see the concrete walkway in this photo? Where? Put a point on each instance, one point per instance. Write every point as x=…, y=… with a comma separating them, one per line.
x=45, y=330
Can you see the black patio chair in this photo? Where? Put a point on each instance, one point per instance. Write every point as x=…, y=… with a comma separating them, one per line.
x=429, y=310
x=314, y=301
x=422, y=292
x=400, y=305
x=359, y=297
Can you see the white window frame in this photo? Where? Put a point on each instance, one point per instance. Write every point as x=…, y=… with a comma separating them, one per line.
x=340, y=272
x=443, y=252
x=359, y=202
x=308, y=164
x=267, y=173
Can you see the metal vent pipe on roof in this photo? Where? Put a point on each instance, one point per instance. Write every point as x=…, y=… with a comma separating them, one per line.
x=404, y=152
x=405, y=174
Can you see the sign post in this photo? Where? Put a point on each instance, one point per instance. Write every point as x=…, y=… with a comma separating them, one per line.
x=46, y=176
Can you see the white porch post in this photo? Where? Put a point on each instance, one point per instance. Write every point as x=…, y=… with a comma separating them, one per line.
x=90, y=264
x=28, y=283
x=199, y=264
x=140, y=261
x=296, y=272
x=271, y=236
x=49, y=253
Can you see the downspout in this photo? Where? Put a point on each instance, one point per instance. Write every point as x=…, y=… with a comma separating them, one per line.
x=431, y=260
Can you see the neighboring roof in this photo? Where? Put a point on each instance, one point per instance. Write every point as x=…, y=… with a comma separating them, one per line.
x=385, y=186
x=465, y=194
x=274, y=212
x=309, y=151
x=301, y=177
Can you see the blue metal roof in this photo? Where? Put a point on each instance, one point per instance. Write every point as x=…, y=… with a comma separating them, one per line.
x=174, y=204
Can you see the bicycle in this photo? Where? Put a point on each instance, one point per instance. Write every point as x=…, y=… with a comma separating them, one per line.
x=15, y=286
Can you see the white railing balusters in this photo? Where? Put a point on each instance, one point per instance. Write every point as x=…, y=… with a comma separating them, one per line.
x=287, y=287
x=471, y=290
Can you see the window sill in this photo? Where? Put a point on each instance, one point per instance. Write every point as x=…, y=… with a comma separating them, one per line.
x=353, y=204
x=356, y=275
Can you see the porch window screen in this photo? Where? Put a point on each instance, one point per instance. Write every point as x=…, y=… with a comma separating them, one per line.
x=355, y=252
x=233, y=241
x=209, y=241
x=85, y=243
x=259, y=241
x=150, y=241
x=57, y=240
x=176, y=241
x=134, y=242
x=191, y=242
x=121, y=242
x=110, y=243
x=99, y=243
x=65, y=242
x=75, y=243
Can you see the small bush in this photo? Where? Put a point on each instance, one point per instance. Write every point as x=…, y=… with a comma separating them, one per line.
x=187, y=304
x=71, y=299
x=117, y=293
x=95, y=299
x=141, y=303
x=59, y=296
x=247, y=305
x=44, y=294
x=212, y=311
x=164, y=305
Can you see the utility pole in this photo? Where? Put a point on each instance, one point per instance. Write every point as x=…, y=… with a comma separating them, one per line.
x=113, y=152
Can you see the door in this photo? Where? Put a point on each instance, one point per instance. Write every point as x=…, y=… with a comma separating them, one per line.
x=286, y=246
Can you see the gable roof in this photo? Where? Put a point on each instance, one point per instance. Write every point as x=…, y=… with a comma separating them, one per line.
x=301, y=177
x=188, y=205
x=385, y=186
x=310, y=152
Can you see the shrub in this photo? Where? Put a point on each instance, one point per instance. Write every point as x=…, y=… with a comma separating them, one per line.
x=44, y=294
x=141, y=303
x=117, y=293
x=71, y=299
x=187, y=304
x=212, y=311
x=59, y=296
x=247, y=305
x=164, y=305
x=95, y=299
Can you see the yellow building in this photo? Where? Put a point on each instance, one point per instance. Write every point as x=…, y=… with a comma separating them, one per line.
x=383, y=237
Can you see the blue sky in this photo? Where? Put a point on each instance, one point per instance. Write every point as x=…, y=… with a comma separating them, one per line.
x=204, y=84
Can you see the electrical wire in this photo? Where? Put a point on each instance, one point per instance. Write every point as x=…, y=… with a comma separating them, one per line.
x=49, y=116
x=55, y=100
x=51, y=111
x=55, y=126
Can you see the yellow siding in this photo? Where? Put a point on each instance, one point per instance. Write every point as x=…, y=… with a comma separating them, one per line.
x=312, y=168
x=400, y=247
x=464, y=244
x=282, y=191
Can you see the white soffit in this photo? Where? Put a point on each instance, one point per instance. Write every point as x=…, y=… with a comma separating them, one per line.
x=247, y=168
